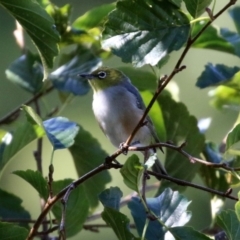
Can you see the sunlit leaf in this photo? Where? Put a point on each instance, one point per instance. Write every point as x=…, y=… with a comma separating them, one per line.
x=10, y=231
x=111, y=197
x=229, y=222
x=88, y=154
x=170, y=207
x=38, y=24
x=197, y=7
x=143, y=32
x=11, y=208
x=77, y=207
x=132, y=171
x=27, y=72
x=93, y=18
x=233, y=137
x=61, y=132
x=36, y=180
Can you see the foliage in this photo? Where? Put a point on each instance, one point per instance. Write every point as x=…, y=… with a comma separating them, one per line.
x=142, y=33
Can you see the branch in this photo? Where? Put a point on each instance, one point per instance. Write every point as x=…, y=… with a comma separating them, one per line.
x=15, y=113
x=51, y=201
x=176, y=69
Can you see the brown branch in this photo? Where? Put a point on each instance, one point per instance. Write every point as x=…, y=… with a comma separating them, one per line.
x=185, y=154
x=11, y=116
x=51, y=201
x=176, y=69
x=185, y=183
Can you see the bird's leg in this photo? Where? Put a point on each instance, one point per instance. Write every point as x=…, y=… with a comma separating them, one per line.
x=124, y=147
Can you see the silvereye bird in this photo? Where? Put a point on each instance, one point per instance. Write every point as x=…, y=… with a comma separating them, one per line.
x=118, y=107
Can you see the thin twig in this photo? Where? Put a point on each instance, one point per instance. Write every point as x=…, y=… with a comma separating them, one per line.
x=11, y=116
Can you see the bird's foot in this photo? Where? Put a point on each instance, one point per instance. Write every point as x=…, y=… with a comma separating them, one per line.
x=124, y=148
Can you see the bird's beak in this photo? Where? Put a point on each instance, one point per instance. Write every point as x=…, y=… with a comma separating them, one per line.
x=85, y=75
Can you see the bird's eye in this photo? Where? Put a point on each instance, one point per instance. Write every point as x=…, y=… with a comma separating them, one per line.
x=102, y=75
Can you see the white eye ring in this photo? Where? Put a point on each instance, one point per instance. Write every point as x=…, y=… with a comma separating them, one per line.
x=102, y=74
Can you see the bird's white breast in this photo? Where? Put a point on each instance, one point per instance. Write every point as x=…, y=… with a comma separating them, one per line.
x=116, y=110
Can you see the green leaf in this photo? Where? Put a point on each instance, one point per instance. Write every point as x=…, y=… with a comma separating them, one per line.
x=237, y=208
x=27, y=72
x=143, y=32
x=9, y=231
x=156, y=115
x=229, y=222
x=12, y=143
x=93, y=18
x=88, y=154
x=118, y=222
x=233, y=137
x=111, y=197
x=197, y=7
x=77, y=207
x=132, y=172
x=32, y=116
x=35, y=179
x=211, y=38
x=187, y=233
x=180, y=127
x=38, y=24
x=170, y=208
x=61, y=132
x=223, y=96
x=11, y=208
x=143, y=80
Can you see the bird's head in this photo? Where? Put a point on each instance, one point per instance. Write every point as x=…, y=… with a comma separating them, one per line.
x=104, y=77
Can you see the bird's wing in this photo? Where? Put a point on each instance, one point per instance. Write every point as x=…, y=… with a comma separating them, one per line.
x=141, y=105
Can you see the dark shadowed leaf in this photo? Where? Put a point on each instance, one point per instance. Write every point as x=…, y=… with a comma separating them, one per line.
x=187, y=233
x=132, y=171
x=35, y=179
x=61, y=132
x=235, y=15
x=11, y=207
x=88, y=154
x=170, y=207
x=216, y=75
x=27, y=72
x=119, y=223
x=38, y=24
x=111, y=197
x=66, y=78
x=197, y=7
x=77, y=207
x=93, y=18
x=229, y=222
x=9, y=231
x=180, y=127
x=143, y=32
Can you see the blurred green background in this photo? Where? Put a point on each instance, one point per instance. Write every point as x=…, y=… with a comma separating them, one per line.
x=80, y=111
